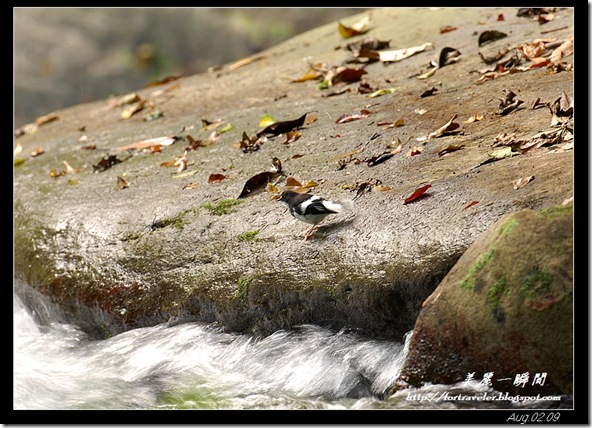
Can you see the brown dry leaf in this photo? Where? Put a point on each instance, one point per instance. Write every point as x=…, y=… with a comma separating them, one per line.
x=258, y=183
x=107, y=162
x=474, y=118
x=121, y=183
x=292, y=136
x=282, y=127
x=190, y=186
x=146, y=144
x=356, y=29
x=351, y=117
x=522, y=181
x=310, y=118
x=292, y=182
x=447, y=29
x=449, y=127
x=215, y=178
x=415, y=150
x=130, y=111
x=42, y=120
x=344, y=74
x=207, y=125
x=564, y=50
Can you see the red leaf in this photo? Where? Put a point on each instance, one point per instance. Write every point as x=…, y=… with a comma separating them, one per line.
x=214, y=178
x=418, y=192
x=470, y=204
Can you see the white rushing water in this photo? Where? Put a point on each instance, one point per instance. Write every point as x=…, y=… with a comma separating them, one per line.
x=197, y=366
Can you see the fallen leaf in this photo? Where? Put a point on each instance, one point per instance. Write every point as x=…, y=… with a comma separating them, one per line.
x=397, y=54
x=292, y=182
x=416, y=194
x=415, y=150
x=106, y=162
x=130, y=111
x=470, y=204
x=258, y=183
x=356, y=29
x=381, y=92
x=277, y=128
x=490, y=36
x=351, y=117
x=522, y=181
x=564, y=50
x=266, y=120
x=447, y=29
x=145, y=144
x=36, y=152
x=447, y=128
x=126, y=99
x=121, y=183
x=474, y=118
x=215, y=178
x=344, y=74
x=292, y=136
x=42, y=120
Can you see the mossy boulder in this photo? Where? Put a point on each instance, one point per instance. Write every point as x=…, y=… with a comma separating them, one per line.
x=505, y=308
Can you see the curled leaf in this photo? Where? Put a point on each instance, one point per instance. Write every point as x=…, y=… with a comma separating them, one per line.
x=356, y=29
x=447, y=128
x=490, y=36
x=258, y=183
x=351, y=117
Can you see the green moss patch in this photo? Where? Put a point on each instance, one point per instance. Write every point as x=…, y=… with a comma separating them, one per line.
x=248, y=236
x=535, y=283
x=508, y=225
x=495, y=292
x=470, y=278
x=225, y=206
x=556, y=211
x=177, y=221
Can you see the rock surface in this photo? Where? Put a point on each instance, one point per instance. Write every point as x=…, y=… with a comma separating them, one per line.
x=504, y=309
x=115, y=257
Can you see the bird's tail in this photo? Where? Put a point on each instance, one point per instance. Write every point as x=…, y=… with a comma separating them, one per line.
x=342, y=206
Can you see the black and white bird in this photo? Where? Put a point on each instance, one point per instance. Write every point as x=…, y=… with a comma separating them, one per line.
x=309, y=208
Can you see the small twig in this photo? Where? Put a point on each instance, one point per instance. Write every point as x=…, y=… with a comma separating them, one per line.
x=554, y=29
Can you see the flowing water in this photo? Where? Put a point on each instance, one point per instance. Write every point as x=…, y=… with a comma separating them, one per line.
x=197, y=366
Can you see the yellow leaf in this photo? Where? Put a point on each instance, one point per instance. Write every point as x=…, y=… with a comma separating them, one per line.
x=266, y=120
